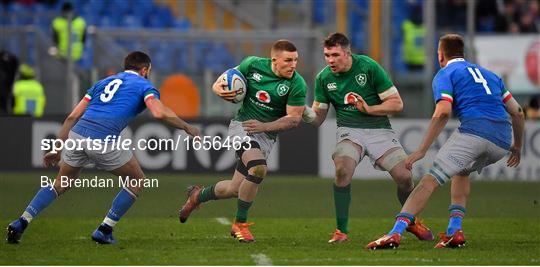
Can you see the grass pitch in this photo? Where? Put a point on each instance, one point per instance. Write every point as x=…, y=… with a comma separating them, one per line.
x=294, y=220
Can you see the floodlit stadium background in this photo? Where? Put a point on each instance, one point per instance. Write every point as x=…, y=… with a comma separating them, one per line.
x=192, y=42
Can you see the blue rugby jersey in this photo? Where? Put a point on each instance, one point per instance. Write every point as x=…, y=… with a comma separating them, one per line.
x=477, y=96
x=113, y=103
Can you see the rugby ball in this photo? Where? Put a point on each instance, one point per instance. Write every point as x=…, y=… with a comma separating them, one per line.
x=236, y=82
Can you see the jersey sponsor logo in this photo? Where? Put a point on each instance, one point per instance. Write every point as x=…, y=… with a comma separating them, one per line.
x=349, y=99
x=263, y=96
x=331, y=86
x=361, y=79
x=256, y=76
x=282, y=89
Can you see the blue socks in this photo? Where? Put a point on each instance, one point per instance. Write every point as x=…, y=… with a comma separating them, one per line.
x=403, y=220
x=457, y=212
x=43, y=198
x=120, y=205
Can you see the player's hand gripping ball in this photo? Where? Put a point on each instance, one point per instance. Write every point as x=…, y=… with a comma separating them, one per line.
x=235, y=82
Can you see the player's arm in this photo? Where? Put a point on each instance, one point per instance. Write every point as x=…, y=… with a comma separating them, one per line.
x=72, y=118
x=53, y=157
x=219, y=89
x=518, y=121
x=391, y=103
x=289, y=121
x=167, y=116
x=443, y=111
x=316, y=114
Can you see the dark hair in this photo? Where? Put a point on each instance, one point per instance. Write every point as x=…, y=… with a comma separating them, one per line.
x=67, y=6
x=283, y=45
x=337, y=38
x=533, y=103
x=452, y=46
x=136, y=60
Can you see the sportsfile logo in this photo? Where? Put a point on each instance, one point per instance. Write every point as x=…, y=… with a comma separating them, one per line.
x=331, y=86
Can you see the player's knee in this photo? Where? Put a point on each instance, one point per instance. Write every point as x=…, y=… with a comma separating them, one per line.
x=428, y=182
x=257, y=170
x=343, y=173
x=403, y=178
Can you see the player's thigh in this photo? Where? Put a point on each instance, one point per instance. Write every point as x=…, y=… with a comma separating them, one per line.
x=348, y=149
x=458, y=155
x=75, y=158
x=393, y=161
x=383, y=148
x=113, y=159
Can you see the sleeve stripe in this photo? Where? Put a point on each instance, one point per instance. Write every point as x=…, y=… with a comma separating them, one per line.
x=447, y=96
x=447, y=99
x=149, y=96
x=87, y=97
x=390, y=91
x=507, y=95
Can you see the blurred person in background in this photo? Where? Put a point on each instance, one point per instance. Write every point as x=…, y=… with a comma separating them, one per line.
x=532, y=110
x=28, y=94
x=506, y=21
x=413, y=40
x=61, y=33
x=8, y=69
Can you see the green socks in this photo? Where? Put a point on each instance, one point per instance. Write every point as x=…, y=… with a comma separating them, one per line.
x=242, y=210
x=342, y=200
x=207, y=194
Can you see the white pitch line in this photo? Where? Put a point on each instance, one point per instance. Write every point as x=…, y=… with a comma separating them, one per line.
x=223, y=221
x=261, y=259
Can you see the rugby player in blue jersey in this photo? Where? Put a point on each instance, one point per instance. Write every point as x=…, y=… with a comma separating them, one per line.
x=102, y=114
x=479, y=99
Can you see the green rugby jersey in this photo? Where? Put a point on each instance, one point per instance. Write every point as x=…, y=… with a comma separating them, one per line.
x=366, y=78
x=268, y=95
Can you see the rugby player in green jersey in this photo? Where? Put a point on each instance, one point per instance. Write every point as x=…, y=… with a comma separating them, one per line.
x=274, y=102
x=363, y=96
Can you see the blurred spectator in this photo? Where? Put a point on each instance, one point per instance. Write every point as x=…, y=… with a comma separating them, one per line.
x=413, y=40
x=486, y=11
x=527, y=20
x=452, y=14
x=506, y=20
x=532, y=110
x=8, y=69
x=517, y=16
x=28, y=94
x=61, y=34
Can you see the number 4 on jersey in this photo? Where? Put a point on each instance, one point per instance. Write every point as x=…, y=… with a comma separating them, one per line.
x=478, y=78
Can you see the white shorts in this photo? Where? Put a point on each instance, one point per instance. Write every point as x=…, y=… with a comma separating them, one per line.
x=109, y=160
x=462, y=154
x=374, y=142
x=266, y=144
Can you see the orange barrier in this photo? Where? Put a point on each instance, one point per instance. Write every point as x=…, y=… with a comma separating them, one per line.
x=180, y=93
